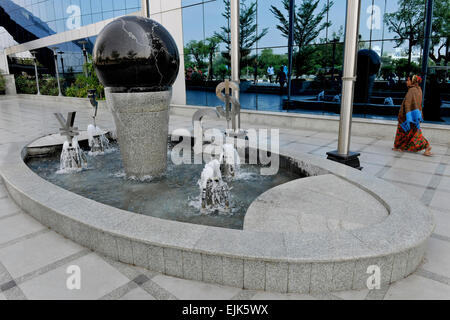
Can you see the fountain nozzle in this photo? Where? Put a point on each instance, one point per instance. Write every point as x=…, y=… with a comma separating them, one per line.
x=94, y=103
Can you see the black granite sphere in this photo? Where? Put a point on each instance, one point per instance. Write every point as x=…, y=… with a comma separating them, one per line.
x=369, y=62
x=136, y=53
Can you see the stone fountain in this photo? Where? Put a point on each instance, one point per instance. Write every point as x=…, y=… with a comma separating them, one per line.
x=137, y=61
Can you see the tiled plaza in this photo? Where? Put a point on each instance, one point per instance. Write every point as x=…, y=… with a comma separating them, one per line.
x=34, y=259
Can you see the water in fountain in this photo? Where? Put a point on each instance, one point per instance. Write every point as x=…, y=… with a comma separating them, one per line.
x=230, y=161
x=215, y=192
x=72, y=157
x=98, y=142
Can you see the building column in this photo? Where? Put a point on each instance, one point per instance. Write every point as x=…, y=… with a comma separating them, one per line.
x=10, y=84
x=145, y=5
x=343, y=153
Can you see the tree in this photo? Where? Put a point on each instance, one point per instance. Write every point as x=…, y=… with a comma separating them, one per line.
x=198, y=50
x=403, y=67
x=211, y=46
x=307, y=26
x=408, y=24
x=248, y=31
x=441, y=33
x=267, y=58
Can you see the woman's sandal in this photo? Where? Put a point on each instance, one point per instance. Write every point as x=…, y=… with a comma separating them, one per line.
x=398, y=150
x=428, y=153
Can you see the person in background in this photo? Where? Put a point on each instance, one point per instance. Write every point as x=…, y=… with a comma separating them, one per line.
x=270, y=73
x=255, y=72
x=285, y=70
x=409, y=136
x=281, y=78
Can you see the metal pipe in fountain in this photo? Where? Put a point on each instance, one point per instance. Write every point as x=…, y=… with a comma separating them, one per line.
x=343, y=153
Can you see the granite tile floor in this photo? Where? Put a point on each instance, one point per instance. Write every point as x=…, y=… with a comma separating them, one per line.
x=34, y=259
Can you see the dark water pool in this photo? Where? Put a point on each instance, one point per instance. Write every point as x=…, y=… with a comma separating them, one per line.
x=174, y=196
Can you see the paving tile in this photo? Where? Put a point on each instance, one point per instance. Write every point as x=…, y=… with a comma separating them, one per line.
x=352, y=294
x=7, y=206
x=415, y=165
x=441, y=200
x=402, y=175
x=98, y=278
x=18, y=226
x=437, y=257
x=280, y=296
x=442, y=221
x=137, y=294
x=2, y=296
x=418, y=288
x=194, y=290
x=371, y=168
x=413, y=190
x=3, y=191
x=444, y=185
x=299, y=147
x=379, y=159
x=384, y=150
x=34, y=253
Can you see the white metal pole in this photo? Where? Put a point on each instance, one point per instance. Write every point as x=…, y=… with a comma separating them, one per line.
x=145, y=8
x=235, y=47
x=57, y=74
x=37, y=76
x=349, y=74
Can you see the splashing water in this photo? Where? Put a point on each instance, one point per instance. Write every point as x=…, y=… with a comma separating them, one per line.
x=230, y=161
x=97, y=141
x=215, y=193
x=72, y=157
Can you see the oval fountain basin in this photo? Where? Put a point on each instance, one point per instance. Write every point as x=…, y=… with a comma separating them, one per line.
x=173, y=196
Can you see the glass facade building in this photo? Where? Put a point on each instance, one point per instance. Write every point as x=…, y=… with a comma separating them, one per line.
x=318, y=51
x=22, y=21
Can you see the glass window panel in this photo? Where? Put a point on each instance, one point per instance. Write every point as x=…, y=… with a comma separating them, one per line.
x=59, y=11
x=96, y=17
x=86, y=19
x=96, y=6
x=118, y=13
x=185, y=3
x=371, y=21
x=85, y=7
x=133, y=4
x=107, y=5
x=193, y=24
x=336, y=16
x=119, y=4
x=108, y=15
x=268, y=21
x=50, y=9
x=60, y=26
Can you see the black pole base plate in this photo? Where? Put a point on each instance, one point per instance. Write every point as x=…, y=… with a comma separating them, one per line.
x=350, y=160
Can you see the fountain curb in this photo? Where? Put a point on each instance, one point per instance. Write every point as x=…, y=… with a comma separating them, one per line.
x=245, y=259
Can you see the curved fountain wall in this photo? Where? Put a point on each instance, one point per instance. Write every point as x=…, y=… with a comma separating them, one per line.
x=328, y=261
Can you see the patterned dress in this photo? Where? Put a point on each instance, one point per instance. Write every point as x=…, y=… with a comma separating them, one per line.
x=409, y=136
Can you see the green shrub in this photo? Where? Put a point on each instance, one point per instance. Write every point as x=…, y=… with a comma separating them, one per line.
x=49, y=86
x=82, y=83
x=25, y=84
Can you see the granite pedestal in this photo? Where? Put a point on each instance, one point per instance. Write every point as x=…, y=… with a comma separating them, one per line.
x=142, y=122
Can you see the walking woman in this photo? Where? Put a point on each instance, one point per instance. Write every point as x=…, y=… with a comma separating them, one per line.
x=409, y=137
